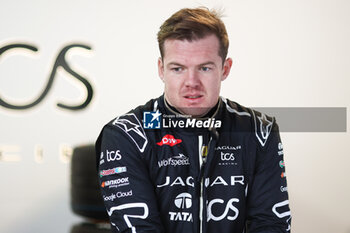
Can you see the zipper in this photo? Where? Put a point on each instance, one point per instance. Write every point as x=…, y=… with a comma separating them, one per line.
x=200, y=145
x=202, y=161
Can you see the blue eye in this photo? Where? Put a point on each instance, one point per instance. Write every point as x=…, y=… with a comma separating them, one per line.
x=204, y=68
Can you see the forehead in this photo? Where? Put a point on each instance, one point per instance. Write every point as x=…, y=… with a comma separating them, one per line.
x=206, y=48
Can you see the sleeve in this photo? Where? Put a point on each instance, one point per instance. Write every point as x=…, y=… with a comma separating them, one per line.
x=126, y=188
x=268, y=205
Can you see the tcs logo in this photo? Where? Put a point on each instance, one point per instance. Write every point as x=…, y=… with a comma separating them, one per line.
x=231, y=212
x=60, y=62
x=227, y=156
x=113, y=155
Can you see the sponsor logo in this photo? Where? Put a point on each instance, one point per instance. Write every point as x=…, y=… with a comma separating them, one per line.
x=132, y=127
x=283, y=175
x=109, y=198
x=112, y=171
x=181, y=216
x=169, y=140
x=113, y=155
x=227, y=164
x=280, y=149
x=219, y=180
x=182, y=201
x=174, y=161
x=189, y=181
x=151, y=120
x=227, y=156
x=280, y=146
x=263, y=127
x=115, y=183
x=284, y=189
x=101, y=159
x=60, y=63
x=281, y=163
x=113, y=196
x=228, y=147
x=230, y=212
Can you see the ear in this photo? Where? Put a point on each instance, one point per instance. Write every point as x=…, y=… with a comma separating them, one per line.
x=226, y=68
x=161, y=69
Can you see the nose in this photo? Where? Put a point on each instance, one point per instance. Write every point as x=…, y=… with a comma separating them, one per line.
x=192, y=79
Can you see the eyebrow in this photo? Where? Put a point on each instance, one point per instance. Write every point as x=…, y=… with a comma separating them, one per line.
x=202, y=64
x=207, y=63
x=174, y=64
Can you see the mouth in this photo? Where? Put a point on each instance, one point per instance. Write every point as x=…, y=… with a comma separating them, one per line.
x=193, y=97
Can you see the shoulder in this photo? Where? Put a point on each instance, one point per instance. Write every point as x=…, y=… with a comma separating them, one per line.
x=248, y=119
x=130, y=126
x=235, y=108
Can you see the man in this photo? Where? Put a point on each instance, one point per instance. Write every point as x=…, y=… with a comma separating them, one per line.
x=191, y=161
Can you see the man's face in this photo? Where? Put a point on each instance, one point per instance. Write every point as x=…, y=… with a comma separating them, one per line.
x=192, y=73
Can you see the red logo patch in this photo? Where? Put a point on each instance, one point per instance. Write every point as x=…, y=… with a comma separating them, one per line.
x=169, y=140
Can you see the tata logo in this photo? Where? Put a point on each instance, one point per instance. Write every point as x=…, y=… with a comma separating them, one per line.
x=169, y=140
x=227, y=156
x=151, y=120
x=182, y=201
x=60, y=63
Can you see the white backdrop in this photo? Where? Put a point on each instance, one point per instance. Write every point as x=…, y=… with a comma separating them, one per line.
x=286, y=54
